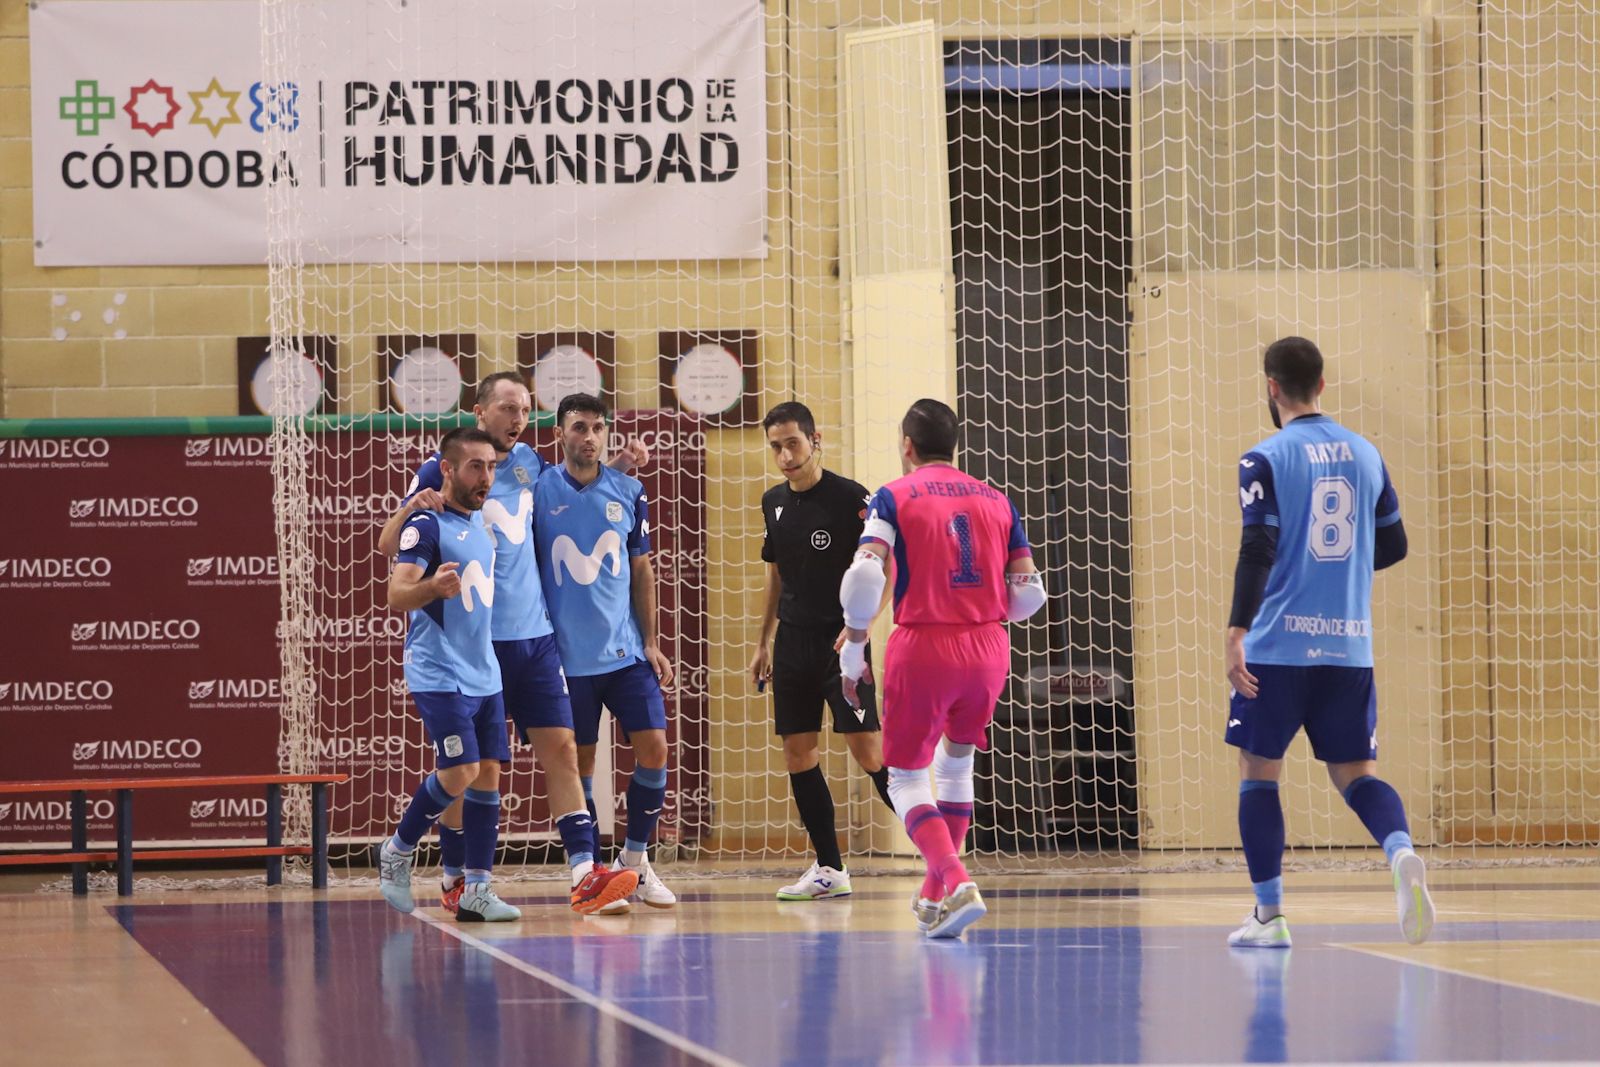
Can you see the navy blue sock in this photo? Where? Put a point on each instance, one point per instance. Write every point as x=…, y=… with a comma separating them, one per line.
x=426, y=806
x=594, y=813
x=647, y=792
x=480, y=825
x=577, y=836
x=452, y=850
x=1261, y=832
x=1381, y=812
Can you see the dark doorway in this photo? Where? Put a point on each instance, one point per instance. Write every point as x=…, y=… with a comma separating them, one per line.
x=1039, y=140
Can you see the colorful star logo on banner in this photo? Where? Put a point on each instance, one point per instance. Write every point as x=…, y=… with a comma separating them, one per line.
x=144, y=99
x=215, y=108
x=87, y=108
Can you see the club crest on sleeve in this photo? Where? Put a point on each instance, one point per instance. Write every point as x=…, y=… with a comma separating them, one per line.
x=409, y=538
x=613, y=511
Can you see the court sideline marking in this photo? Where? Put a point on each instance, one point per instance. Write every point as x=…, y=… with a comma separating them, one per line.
x=600, y=1004
x=1394, y=957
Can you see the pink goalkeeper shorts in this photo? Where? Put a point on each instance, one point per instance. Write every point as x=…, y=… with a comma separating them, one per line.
x=941, y=681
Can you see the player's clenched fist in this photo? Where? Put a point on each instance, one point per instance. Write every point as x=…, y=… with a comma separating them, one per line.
x=446, y=582
x=631, y=455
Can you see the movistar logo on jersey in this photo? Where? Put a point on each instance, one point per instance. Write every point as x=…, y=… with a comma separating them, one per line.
x=476, y=584
x=585, y=568
x=514, y=528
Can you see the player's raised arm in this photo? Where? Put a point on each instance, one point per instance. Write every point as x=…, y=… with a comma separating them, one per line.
x=423, y=495
x=410, y=584
x=630, y=456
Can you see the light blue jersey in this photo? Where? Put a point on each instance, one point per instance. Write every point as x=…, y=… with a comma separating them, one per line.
x=1327, y=491
x=449, y=648
x=587, y=538
x=519, y=608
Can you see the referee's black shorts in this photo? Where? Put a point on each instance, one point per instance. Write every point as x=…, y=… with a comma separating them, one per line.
x=805, y=675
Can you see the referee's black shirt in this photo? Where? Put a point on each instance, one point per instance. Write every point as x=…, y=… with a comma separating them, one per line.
x=812, y=537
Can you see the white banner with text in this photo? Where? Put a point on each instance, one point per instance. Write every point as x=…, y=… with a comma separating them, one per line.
x=475, y=131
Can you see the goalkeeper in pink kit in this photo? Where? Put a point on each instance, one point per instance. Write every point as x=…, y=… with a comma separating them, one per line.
x=962, y=569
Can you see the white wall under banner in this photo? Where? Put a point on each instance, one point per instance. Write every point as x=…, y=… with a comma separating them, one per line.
x=511, y=130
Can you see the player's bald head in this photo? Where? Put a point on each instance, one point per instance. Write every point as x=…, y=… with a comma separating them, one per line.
x=1296, y=365
x=931, y=427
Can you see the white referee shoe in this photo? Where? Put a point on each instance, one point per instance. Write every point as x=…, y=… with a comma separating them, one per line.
x=651, y=890
x=818, y=882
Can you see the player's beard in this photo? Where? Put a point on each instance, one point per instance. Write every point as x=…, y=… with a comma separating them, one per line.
x=465, y=499
x=1277, y=418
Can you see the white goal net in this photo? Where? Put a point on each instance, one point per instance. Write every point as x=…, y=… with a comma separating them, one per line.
x=1078, y=223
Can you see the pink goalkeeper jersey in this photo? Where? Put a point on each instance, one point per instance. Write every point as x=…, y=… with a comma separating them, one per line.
x=951, y=536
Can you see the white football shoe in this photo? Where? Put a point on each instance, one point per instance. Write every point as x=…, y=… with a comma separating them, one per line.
x=1274, y=933
x=818, y=882
x=1411, y=895
x=651, y=891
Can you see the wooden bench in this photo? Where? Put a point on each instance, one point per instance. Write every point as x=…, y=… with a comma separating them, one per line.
x=273, y=852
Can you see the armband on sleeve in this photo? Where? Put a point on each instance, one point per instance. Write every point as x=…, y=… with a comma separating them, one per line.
x=862, y=590
x=1025, y=595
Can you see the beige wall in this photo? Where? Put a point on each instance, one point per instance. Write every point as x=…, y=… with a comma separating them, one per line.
x=1514, y=172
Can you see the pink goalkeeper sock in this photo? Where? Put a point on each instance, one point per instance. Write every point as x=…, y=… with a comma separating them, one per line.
x=927, y=828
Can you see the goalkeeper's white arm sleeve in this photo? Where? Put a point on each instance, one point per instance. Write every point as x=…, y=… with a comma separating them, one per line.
x=1024, y=594
x=861, y=591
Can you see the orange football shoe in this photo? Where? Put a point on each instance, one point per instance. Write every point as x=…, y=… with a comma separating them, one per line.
x=602, y=887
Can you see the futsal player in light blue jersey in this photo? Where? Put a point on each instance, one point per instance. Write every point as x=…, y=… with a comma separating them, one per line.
x=592, y=528
x=1320, y=516
x=535, y=690
x=444, y=576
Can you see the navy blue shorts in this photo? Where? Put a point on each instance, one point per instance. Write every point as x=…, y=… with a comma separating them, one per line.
x=632, y=694
x=1338, y=706
x=535, y=688
x=464, y=729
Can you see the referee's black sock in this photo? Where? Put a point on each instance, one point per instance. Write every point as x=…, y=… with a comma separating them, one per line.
x=811, y=796
x=880, y=778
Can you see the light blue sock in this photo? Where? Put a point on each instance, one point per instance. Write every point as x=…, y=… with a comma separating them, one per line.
x=1394, y=843
x=1270, y=892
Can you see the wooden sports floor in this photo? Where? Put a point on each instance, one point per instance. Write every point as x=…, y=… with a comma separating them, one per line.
x=1076, y=968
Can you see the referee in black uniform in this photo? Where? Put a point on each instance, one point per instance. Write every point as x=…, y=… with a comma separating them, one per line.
x=813, y=524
